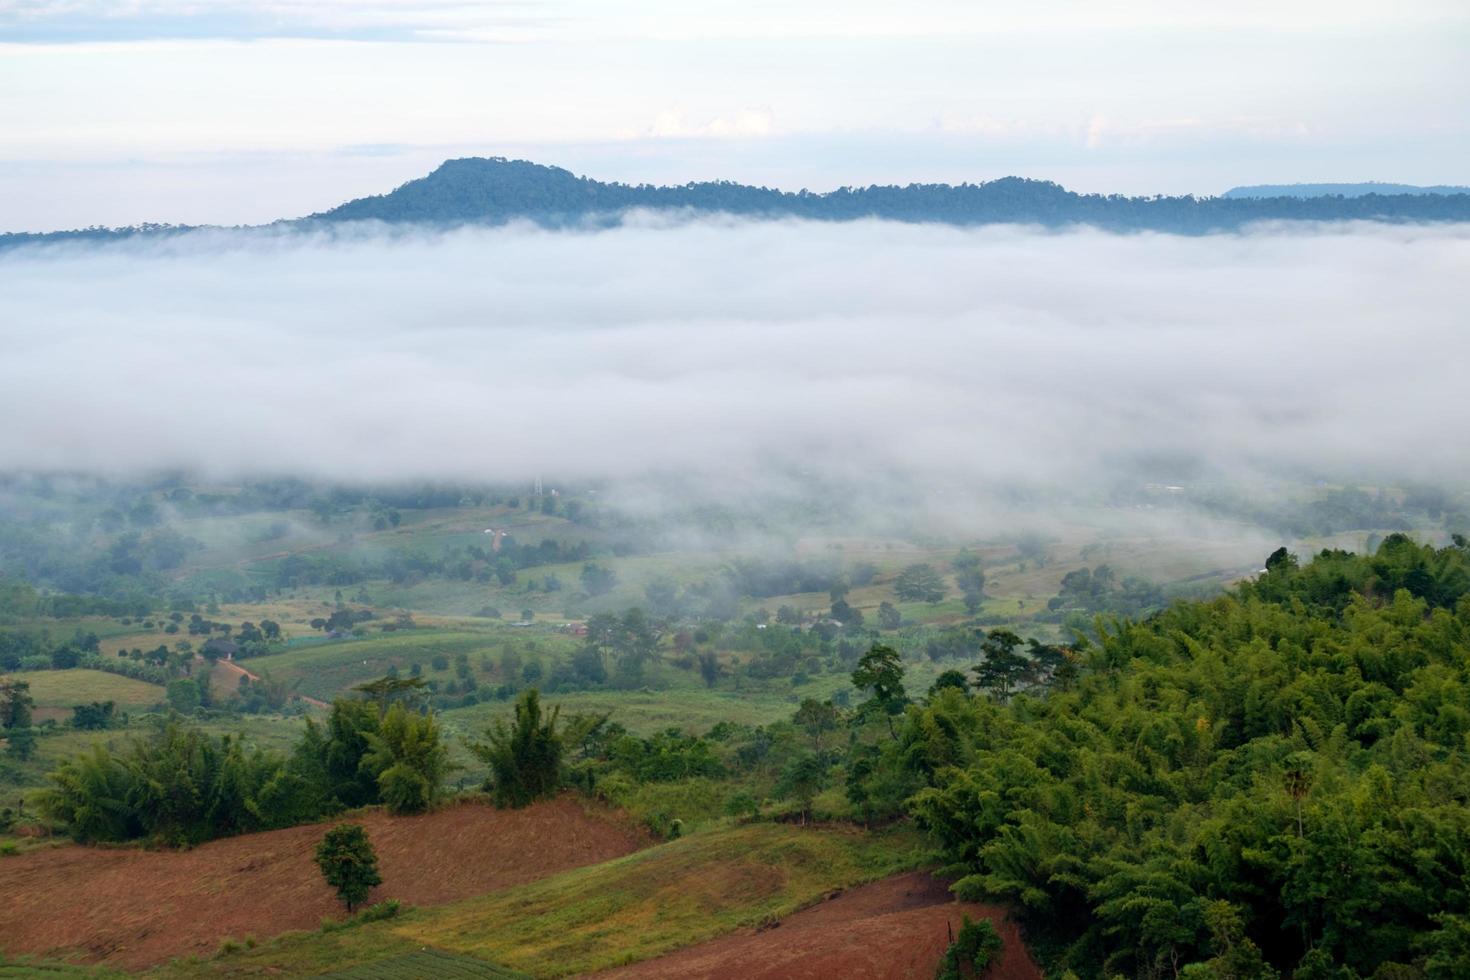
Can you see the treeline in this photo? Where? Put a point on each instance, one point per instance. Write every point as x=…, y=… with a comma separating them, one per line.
x=181, y=786
x=472, y=563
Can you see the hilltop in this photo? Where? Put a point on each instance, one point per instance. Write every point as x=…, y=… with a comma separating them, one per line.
x=1339, y=190
x=496, y=190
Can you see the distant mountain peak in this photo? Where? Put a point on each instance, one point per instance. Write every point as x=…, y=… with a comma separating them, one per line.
x=1360, y=189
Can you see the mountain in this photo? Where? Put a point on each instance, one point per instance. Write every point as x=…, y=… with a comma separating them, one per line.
x=1338, y=190
x=479, y=190
x=494, y=190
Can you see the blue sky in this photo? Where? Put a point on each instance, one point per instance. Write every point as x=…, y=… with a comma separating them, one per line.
x=222, y=111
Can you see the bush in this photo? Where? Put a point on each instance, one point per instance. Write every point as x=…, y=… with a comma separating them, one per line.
x=972, y=952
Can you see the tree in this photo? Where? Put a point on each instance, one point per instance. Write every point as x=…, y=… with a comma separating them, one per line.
x=392, y=689
x=183, y=695
x=15, y=704
x=802, y=780
x=889, y=617
x=710, y=669
x=349, y=863
x=971, y=581
x=919, y=583
x=525, y=759
x=96, y=715
x=1002, y=666
x=880, y=670
x=972, y=952
x=816, y=718
x=408, y=755
x=596, y=579
x=949, y=678
x=15, y=719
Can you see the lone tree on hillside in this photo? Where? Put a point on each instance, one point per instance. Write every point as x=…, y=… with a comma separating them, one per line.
x=524, y=759
x=348, y=862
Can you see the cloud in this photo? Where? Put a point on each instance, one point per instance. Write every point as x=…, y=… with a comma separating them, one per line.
x=675, y=124
x=1000, y=357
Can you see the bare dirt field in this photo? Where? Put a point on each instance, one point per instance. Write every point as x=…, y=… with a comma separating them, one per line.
x=131, y=908
x=890, y=929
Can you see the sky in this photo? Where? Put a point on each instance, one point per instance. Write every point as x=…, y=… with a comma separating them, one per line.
x=735, y=352
x=241, y=112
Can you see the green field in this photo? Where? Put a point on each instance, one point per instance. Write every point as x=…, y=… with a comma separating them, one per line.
x=326, y=670
x=65, y=688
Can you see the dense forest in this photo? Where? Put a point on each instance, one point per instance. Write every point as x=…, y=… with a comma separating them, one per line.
x=494, y=190
x=1275, y=780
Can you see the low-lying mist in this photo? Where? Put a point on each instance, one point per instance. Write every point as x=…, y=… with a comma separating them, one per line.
x=747, y=356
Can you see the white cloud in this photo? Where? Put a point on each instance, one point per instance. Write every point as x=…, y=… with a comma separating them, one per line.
x=676, y=124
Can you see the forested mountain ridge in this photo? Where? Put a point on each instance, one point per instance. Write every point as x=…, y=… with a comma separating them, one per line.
x=495, y=190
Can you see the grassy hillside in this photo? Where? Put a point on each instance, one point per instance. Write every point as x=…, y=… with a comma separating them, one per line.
x=618, y=912
x=65, y=688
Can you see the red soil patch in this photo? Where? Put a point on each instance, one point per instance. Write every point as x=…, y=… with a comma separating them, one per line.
x=130, y=908
x=894, y=928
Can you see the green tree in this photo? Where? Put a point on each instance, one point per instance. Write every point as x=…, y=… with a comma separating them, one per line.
x=971, y=581
x=409, y=759
x=816, y=718
x=919, y=583
x=15, y=718
x=525, y=759
x=183, y=695
x=801, y=780
x=392, y=689
x=349, y=863
x=1002, y=667
x=889, y=617
x=880, y=671
x=15, y=704
x=972, y=953
x=597, y=579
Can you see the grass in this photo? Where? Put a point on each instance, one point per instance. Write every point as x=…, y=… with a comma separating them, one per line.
x=427, y=963
x=618, y=912
x=30, y=968
x=67, y=688
x=663, y=898
x=328, y=669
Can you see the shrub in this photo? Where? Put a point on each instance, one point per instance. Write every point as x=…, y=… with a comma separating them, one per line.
x=972, y=952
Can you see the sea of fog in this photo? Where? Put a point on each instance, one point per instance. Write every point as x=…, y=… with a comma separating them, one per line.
x=730, y=348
